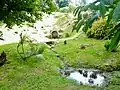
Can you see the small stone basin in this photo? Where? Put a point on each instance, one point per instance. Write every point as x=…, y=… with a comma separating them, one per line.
x=89, y=77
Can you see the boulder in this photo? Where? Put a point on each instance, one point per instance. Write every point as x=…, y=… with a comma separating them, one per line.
x=93, y=75
x=85, y=73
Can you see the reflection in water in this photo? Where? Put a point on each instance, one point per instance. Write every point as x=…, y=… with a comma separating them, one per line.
x=86, y=76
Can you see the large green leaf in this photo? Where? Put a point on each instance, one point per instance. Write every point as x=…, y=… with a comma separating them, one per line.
x=110, y=15
x=78, y=25
x=76, y=10
x=108, y=2
x=102, y=8
x=89, y=21
x=114, y=42
x=116, y=14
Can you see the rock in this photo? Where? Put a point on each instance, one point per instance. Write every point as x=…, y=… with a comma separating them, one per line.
x=65, y=42
x=57, y=55
x=40, y=56
x=50, y=42
x=34, y=32
x=45, y=32
x=42, y=27
x=68, y=24
x=85, y=73
x=93, y=75
x=16, y=32
x=82, y=46
x=81, y=83
x=60, y=36
x=48, y=36
x=60, y=31
x=1, y=39
x=91, y=81
x=67, y=73
x=80, y=71
x=1, y=33
x=99, y=72
x=52, y=46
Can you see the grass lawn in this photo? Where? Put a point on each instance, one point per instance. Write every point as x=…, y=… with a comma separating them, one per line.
x=42, y=74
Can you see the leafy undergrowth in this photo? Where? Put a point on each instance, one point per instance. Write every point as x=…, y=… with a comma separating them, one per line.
x=41, y=74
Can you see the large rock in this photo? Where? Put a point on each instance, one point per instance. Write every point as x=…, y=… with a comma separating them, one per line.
x=1, y=33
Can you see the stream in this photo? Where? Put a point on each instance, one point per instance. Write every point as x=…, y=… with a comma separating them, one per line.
x=84, y=76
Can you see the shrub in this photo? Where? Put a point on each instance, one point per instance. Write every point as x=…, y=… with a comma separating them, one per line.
x=98, y=29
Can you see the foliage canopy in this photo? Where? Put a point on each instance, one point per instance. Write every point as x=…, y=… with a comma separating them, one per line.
x=17, y=11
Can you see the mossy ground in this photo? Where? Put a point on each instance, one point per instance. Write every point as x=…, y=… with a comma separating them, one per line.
x=42, y=74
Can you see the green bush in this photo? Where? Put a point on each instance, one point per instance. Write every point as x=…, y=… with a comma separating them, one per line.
x=98, y=29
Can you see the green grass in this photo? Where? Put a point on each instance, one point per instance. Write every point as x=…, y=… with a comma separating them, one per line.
x=94, y=55
x=42, y=74
x=34, y=73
